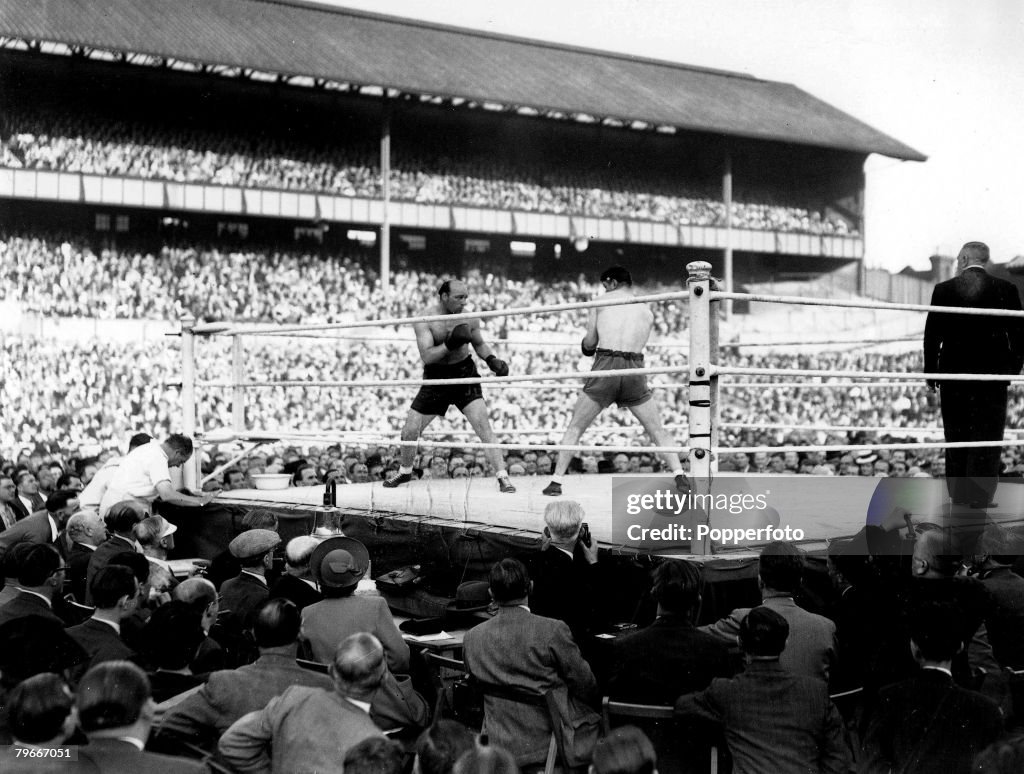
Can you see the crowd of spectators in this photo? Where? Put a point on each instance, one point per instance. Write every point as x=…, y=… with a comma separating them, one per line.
x=824, y=664
x=96, y=144
x=67, y=396
x=52, y=276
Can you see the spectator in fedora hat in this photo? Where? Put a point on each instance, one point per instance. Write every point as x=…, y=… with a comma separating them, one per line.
x=338, y=564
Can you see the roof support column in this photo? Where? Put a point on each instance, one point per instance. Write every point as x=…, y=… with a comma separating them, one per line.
x=727, y=200
x=385, y=226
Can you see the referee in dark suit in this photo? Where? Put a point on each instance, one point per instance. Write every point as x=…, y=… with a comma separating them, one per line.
x=958, y=343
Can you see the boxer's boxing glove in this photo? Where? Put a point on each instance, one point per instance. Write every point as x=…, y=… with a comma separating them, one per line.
x=457, y=336
x=498, y=366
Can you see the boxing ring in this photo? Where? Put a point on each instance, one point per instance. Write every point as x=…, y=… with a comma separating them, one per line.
x=473, y=506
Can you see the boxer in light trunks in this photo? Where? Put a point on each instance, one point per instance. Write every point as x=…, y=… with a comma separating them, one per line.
x=444, y=350
x=622, y=332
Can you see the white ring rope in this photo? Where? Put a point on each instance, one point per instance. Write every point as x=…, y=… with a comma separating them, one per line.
x=742, y=371
x=868, y=446
x=717, y=295
x=609, y=374
x=219, y=329
x=916, y=383
x=267, y=436
x=613, y=429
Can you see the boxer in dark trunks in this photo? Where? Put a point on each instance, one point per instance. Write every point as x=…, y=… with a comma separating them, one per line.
x=444, y=349
x=623, y=331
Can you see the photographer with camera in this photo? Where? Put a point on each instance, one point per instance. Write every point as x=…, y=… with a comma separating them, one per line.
x=566, y=572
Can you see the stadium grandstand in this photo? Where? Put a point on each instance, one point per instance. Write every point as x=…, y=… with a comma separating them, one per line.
x=219, y=221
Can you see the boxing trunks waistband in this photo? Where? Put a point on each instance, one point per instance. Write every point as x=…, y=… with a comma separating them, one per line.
x=634, y=356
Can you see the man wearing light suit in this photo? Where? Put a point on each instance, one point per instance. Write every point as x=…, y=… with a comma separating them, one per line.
x=519, y=649
x=231, y=693
x=959, y=343
x=290, y=733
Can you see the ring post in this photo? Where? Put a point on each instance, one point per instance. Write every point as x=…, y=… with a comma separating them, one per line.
x=237, y=391
x=190, y=470
x=699, y=284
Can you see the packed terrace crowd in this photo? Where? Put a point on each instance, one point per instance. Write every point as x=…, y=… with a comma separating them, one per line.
x=68, y=278
x=76, y=142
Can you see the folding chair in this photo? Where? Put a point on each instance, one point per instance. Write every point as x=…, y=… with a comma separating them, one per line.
x=657, y=713
x=556, y=749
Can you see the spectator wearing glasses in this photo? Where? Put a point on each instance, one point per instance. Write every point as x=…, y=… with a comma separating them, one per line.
x=11, y=508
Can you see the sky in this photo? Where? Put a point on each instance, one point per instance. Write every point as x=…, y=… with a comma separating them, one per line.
x=943, y=76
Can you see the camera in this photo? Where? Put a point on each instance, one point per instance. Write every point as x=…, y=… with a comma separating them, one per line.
x=584, y=537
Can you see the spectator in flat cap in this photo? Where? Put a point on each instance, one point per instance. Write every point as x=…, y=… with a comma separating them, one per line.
x=116, y=711
x=240, y=596
x=224, y=565
x=41, y=712
x=289, y=733
x=338, y=564
x=297, y=584
x=40, y=580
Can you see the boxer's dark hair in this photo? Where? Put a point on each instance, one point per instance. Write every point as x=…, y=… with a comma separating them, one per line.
x=445, y=289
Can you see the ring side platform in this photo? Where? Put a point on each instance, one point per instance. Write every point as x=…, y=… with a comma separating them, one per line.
x=455, y=529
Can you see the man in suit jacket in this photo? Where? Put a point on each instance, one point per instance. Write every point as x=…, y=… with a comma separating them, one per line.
x=519, y=649
x=773, y=720
x=120, y=521
x=28, y=491
x=957, y=343
x=242, y=595
x=290, y=734
x=565, y=576
x=928, y=723
x=11, y=509
x=87, y=532
x=116, y=712
x=115, y=592
x=40, y=579
x=670, y=657
x=338, y=564
x=297, y=583
x=45, y=526
x=811, y=647
x=229, y=694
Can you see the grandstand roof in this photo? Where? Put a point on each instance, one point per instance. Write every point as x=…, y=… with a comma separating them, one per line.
x=355, y=47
